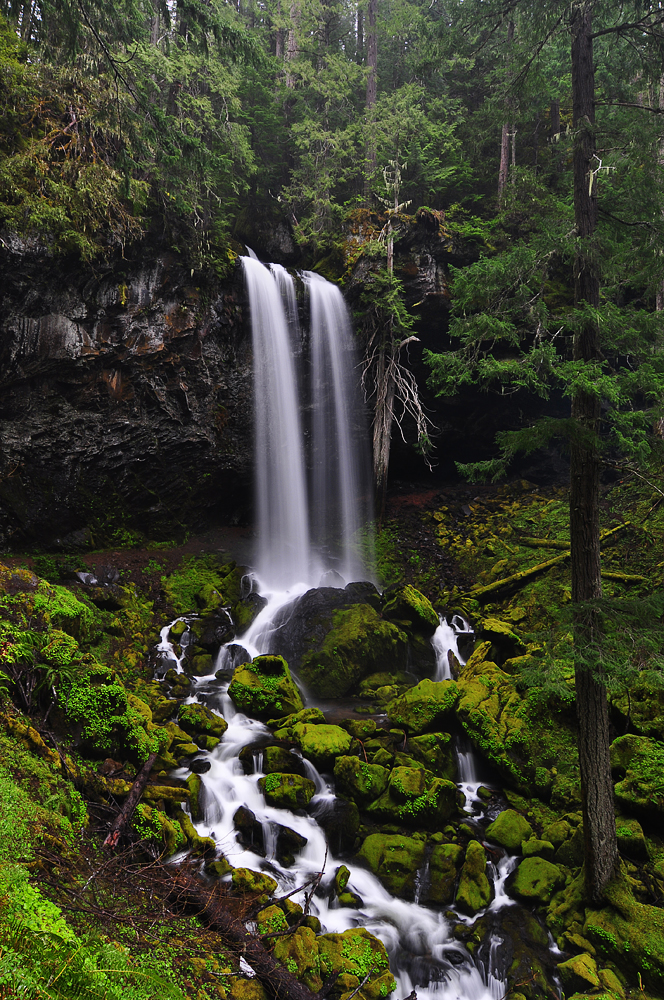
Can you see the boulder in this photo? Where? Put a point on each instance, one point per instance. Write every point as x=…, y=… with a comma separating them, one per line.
x=281, y=761
x=444, y=864
x=424, y=707
x=395, y=860
x=246, y=881
x=340, y=821
x=474, y=891
x=638, y=761
x=360, y=781
x=298, y=952
x=408, y=605
x=359, y=642
x=289, y=843
x=287, y=791
x=536, y=880
x=505, y=644
x=321, y=743
x=202, y=724
x=631, y=840
x=358, y=953
x=579, y=974
x=535, y=848
x=264, y=688
x=509, y=829
x=249, y=830
x=415, y=797
x=436, y=752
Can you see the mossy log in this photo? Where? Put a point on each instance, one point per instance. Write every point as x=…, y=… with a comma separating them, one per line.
x=542, y=543
x=137, y=789
x=517, y=579
x=624, y=577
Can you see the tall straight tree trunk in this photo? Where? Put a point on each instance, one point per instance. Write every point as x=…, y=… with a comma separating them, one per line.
x=360, y=34
x=503, y=169
x=292, y=49
x=659, y=295
x=372, y=82
x=601, y=852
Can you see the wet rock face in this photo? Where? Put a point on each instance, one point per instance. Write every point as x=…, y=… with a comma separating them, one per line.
x=125, y=389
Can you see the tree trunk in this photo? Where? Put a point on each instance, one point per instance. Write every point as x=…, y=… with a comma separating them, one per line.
x=129, y=807
x=360, y=34
x=659, y=295
x=372, y=81
x=382, y=424
x=292, y=49
x=601, y=852
x=505, y=137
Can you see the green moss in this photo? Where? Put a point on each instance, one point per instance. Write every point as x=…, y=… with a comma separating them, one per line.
x=265, y=688
x=287, y=791
x=201, y=584
x=409, y=605
x=509, y=829
x=321, y=743
x=358, y=780
x=474, y=891
x=425, y=706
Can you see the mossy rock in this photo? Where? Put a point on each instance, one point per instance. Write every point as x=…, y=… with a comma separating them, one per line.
x=154, y=825
x=579, y=974
x=360, y=781
x=247, y=989
x=475, y=891
x=629, y=933
x=415, y=797
x=535, y=848
x=322, y=743
x=360, y=642
x=631, y=839
x=360, y=729
x=198, y=720
x=406, y=604
x=287, y=791
x=200, y=846
x=356, y=952
x=505, y=644
x=202, y=664
x=313, y=716
x=264, y=688
x=271, y=920
x=639, y=762
x=444, y=865
x=298, y=952
x=278, y=760
x=509, y=829
x=61, y=649
x=536, y=880
x=395, y=860
x=246, y=881
x=424, y=707
x=436, y=752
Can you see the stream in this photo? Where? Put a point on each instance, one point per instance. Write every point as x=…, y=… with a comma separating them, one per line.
x=424, y=953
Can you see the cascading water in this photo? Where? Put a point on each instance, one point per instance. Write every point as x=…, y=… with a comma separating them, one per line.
x=281, y=493
x=304, y=533
x=339, y=491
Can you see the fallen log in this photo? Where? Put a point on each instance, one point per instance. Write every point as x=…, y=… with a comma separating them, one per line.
x=527, y=574
x=122, y=820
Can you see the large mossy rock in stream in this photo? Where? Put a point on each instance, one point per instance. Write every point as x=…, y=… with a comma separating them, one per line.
x=509, y=829
x=205, y=726
x=424, y=707
x=358, y=643
x=535, y=881
x=322, y=743
x=475, y=891
x=415, y=797
x=395, y=860
x=359, y=780
x=638, y=762
x=264, y=688
x=408, y=605
x=436, y=752
x=287, y=791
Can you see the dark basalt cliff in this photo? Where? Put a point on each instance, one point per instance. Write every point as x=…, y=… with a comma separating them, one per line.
x=125, y=399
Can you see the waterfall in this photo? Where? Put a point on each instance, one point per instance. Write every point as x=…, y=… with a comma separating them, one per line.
x=339, y=465
x=306, y=529
x=281, y=494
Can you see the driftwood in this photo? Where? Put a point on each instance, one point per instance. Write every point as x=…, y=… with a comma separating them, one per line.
x=527, y=574
x=133, y=798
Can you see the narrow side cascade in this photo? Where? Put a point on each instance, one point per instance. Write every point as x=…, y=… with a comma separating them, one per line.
x=281, y=495
x=340, y=490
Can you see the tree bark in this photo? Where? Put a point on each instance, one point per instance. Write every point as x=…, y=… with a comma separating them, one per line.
x=292, y=49
x=503, y=169
x=360, y=34
x=137, y=789
x=601, y=852
x=372, y=82
x=659, y=294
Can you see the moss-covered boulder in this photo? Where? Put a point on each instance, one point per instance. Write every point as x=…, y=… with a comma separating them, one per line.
x=360, y=781
x=424, y=707
x=395, y=860
x=631, y=840
x=638, y=763
x=248, y=882
x=536, y=848
x=444, y=864
x=287, y=791
x=505, y=644
x=415, y=797
x=204, y=726
x=271, y=920
x=360, y=642
x=281, y=761
x=509, y=829
x=264, y=688
x=579, y=974
x=474, y=891
x=358, y=953
x=299, y=954
x=536, y=880
x=436, y=752
x=322, y=743
x=629, y=933
x=406, y=604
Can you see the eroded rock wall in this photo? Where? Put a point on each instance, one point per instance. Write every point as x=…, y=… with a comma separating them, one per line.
x=125, y=399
